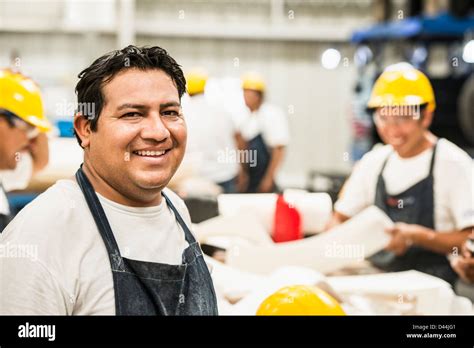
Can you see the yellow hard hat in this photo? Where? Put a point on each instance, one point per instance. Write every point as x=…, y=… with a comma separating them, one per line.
x=21, y=96
x=402, y=85
x=300, y=300
x=253, y=81
x=196, y=81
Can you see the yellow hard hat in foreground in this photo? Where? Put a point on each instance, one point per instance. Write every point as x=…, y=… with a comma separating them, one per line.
x=21, y=96
x=253, y=81
x=300, y=300
x=196, y=81
x=402, y=85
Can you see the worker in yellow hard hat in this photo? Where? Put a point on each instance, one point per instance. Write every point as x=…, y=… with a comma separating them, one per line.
x=300, y=300
x=265, y=133
x=211, y=134
x=424, y=184
x=23, y=144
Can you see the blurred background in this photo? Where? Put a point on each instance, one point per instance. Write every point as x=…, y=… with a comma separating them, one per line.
x=319, y=60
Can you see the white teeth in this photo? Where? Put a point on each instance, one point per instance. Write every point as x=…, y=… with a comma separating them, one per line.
x=150, y=153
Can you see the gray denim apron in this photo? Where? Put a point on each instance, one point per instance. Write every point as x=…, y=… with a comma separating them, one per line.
x=147, y=288
x=417, y=207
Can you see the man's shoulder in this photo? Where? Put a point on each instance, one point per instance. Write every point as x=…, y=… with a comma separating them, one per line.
x=61, y=196
x=376, y=156
x=53, y=208
x=447, y=151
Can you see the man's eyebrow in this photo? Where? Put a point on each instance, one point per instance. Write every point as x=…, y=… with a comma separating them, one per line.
x=165, y=105
x=132, y=106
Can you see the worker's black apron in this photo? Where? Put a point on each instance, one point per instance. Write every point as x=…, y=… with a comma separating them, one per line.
x=416, y=207
x=4, y=219
x=262, y=161
x=147, y=288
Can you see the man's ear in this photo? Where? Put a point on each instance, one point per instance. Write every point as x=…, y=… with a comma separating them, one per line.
x=82, y=126
x=427, y=118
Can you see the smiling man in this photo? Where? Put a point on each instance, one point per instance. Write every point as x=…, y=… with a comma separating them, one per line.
x=114, y=240
x=424, y=184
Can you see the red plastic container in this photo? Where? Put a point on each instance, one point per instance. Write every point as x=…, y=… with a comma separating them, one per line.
x=287, y=222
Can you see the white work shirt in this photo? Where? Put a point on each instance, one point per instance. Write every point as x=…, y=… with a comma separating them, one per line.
x=211, y=139
x=453, y=174
x=67, y=268
x=16, y=179
x=268, y=120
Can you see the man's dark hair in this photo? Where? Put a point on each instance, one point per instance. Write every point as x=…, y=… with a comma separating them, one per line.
x=102, y=70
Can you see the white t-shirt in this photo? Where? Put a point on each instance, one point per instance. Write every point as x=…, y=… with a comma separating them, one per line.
x=211, y=139
x=65, y=268
x=16, y=179
x=453, y=182
x=269, y=121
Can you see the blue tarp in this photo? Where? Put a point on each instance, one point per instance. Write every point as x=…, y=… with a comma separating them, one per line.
x=443, y=25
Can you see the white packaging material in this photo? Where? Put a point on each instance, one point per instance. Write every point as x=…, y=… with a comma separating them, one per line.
x=350, y=242
x=315, y=208
x=431, y=295
x=223, y=230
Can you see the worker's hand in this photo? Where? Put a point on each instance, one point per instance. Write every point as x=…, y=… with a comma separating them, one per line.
x=266, y=185
x=464, y=265
x=242, y=181
x=39, y=150
x=398, y=244
x=402, y=237
x=465, y=268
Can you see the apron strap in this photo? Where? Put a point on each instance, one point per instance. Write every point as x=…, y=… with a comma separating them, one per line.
x=187, y=232
x=5, y=193
x=99, y=216
x=385, y=163
x=433, y=158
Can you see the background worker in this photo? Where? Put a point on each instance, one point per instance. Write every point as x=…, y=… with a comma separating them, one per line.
x=211, y=135
x=264, y=128
x=23, y=143
x=423, y=183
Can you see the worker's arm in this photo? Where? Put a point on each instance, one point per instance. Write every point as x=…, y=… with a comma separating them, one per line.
x=336, y=219
x=404, y=235
x=464, y=265
x=39, y=151
x=278, y=153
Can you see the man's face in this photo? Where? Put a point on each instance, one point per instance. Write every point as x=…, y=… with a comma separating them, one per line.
x=253, y=99
x=141, y=135
x=13, y=140
x=403, y=129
